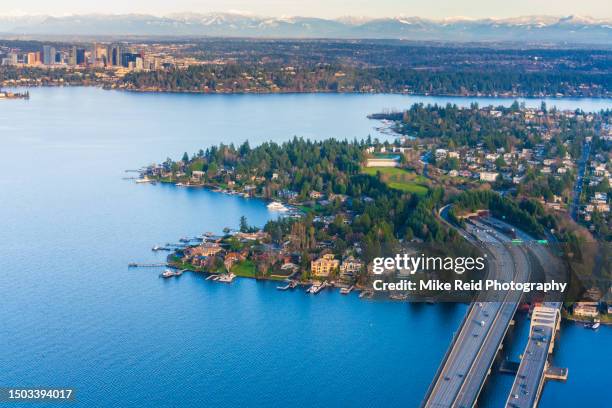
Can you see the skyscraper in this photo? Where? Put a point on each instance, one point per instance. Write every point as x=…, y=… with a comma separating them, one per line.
x=48, y=55
x=115, y=55
x=80, y=56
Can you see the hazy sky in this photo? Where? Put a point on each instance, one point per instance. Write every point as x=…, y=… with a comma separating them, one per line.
x=319, y=8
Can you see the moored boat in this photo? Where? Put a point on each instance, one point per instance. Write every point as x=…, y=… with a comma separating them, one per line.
x=276, y=206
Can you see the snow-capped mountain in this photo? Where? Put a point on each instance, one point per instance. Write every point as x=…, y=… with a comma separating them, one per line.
x=570, y=29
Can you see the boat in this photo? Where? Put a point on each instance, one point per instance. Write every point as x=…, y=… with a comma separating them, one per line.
x=276, y=206
x=398, y=296
x=346, y=291
x=145, y=179
x=226, y=278
x=596, y=324
x=317, y=287
x=168, y=274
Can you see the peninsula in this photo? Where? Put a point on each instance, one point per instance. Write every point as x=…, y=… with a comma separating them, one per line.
x=350, y=202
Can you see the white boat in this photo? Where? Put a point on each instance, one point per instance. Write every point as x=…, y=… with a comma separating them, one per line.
x=276, y=206
x=317, y=287
x=595, y=325
x=226, y=278
x=143, y=180
x=168, y=273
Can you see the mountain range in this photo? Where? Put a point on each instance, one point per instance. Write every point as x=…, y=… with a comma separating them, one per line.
x=570, y=29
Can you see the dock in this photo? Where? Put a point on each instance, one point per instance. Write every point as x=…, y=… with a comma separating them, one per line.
x=147, y=265
x=226, y=278
x=317, y=287
x=289, y=285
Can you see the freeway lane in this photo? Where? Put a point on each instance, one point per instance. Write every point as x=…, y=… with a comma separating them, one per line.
x=529, y=380
x=465, y=369
x=517, y=261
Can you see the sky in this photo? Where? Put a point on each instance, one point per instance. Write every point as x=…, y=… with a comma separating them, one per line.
x=319, y=8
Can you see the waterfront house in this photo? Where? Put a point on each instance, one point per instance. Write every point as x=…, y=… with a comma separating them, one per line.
x=252, y=236
x=288, y=194
x=350, y=266
x=197, y=175
x=324, y=265
x=231, y=259
x=206, y=249
x=289, y=268
x=586, y=309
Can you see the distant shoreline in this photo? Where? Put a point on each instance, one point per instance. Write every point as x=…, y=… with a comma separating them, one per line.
x=315, y=92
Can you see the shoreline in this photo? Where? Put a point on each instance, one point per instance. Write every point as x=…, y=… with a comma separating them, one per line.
x=311, y=92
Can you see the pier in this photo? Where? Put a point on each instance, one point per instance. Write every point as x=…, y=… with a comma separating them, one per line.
x=147, y=265
x=289, y=285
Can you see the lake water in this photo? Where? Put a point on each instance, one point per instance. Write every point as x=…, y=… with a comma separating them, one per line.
x=73, y=315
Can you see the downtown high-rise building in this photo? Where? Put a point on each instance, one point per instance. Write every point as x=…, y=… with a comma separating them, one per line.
x=115, y=55
x=48, y=55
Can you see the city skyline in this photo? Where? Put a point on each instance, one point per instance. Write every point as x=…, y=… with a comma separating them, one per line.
x=474, y=9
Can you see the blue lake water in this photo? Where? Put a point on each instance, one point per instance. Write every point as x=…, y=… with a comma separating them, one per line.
x=73, y=315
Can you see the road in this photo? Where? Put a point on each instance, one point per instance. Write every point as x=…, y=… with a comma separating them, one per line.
x=532, y=369
x=582, y=163
x=467, y=364
x=528, y=382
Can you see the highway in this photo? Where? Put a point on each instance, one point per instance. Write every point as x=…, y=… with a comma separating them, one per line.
x=530, y=377
x=466, y=366
x=575, y=205
x=529, y=381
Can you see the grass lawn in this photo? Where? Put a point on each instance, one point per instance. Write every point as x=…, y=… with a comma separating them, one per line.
x=245, y=268
x=399, y=179
x=413, y=188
